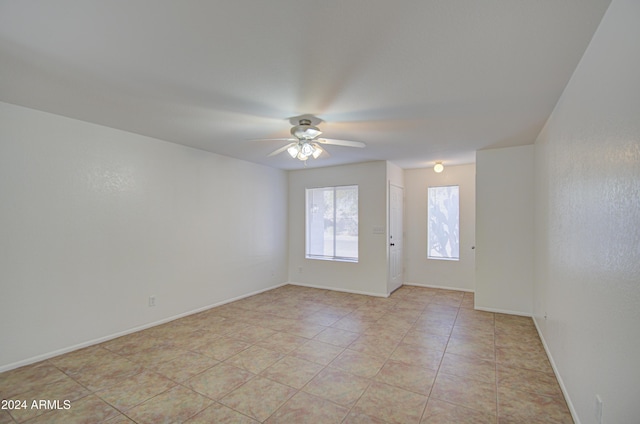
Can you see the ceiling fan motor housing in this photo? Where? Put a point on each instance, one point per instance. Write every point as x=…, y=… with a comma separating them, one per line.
x=304, y=131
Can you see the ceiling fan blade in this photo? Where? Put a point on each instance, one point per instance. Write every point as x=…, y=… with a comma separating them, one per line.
x=324, y=152
x=347, y=143
x=280, y=150
x=273, y=139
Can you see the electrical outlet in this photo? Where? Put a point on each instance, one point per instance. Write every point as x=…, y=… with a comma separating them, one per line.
x=152, y=301
x=598, y=409
x=299, y=270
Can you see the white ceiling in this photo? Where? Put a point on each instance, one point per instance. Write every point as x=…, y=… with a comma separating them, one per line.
x=416, y=80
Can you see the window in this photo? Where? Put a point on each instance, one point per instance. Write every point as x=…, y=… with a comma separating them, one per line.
x=332, y=223
x=444, y=223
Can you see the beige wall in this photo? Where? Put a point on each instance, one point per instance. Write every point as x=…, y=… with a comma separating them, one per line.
x=419, y=270
x=369, y=275
x=587, y=200
x=504, y=230
x=94, y=220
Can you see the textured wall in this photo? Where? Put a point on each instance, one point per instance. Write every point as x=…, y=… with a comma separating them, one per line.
x=587, y=272
x=94, y=220
x=504, y=230
x=369, y=275
x=431, y=272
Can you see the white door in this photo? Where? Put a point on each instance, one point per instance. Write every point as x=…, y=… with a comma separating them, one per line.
x=396, y=210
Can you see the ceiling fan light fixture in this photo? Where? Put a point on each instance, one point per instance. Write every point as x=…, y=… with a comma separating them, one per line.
x=293, y=151
x=307, y=149
x=317, y=151
x=438, y=167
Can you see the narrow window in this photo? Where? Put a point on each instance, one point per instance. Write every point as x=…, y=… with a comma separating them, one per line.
x=444, y=223
x=332, y=223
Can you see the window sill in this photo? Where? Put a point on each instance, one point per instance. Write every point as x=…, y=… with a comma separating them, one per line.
x=330, y=259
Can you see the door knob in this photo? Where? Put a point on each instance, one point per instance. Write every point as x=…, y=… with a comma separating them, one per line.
x=392, y=244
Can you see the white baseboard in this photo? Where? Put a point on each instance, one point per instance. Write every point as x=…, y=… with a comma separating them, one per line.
x=429, y=286
x=314, y=286
x=567, y=398
x=57, y=352
x=503, y=311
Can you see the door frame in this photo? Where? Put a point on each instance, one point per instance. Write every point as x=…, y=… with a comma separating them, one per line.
x=391, y=284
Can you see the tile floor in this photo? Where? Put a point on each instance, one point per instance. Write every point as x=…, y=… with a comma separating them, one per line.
x=302, y=355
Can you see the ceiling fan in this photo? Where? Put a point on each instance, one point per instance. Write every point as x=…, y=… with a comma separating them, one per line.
x=306, y=143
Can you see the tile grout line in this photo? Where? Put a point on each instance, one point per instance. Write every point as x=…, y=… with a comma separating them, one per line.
x=440, y=364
